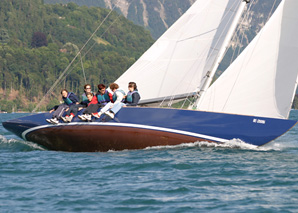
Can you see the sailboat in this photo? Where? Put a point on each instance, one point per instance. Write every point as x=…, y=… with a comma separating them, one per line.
x=250, y=101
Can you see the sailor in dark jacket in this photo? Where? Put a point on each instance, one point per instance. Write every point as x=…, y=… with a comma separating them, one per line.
x=133, y=97
x=69, y=99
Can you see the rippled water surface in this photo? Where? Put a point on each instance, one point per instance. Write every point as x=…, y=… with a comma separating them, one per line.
x=202, y=177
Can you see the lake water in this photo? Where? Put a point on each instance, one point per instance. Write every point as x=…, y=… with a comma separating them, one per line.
x=202, y=177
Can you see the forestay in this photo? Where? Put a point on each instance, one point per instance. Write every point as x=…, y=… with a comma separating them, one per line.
x=262, y=81
x=178, y=61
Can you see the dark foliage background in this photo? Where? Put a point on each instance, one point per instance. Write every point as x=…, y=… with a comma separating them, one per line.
x=38, y=41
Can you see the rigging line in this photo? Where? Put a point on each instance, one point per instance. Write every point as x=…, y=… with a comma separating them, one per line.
x=186, y=99
x=83, y=68
x=271, y=11
x=242, y=33
x=254, y=2
x=161, y=103
x=236, y=37
x=67, y=68
x=241, y=41
x=238, y=41
x=252, y=5
x=238, y=31
x=92, y=46
x=116, y=19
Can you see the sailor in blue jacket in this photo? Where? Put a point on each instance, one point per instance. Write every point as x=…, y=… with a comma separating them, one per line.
x=69, y=99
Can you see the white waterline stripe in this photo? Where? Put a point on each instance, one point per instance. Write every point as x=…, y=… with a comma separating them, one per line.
x=127, y=125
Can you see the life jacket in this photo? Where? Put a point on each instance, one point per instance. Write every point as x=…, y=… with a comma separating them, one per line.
x=103, y=99
x=115, y=96
x=67, y=99
x=129, y=96
x=84, y=98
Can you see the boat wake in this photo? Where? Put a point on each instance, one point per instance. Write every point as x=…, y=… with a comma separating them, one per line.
x=19, y=145
x=231, y=144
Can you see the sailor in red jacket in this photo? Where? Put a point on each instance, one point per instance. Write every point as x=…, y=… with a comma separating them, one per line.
x=91, y=108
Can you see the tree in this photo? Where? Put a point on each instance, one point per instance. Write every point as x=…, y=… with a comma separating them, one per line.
x=4, y=36
x=38, y=40
x=71, y=48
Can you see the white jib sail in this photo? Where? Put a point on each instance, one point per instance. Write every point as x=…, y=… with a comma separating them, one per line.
x=262, y=80
x=177, y=62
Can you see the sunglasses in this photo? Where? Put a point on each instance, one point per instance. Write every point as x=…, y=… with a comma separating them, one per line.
x=88, y=88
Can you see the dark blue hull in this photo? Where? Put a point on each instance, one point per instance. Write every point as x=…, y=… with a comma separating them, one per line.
x=139, y=127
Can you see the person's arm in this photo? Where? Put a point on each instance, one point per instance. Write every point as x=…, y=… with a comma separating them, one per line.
x=54, y=108
x=74, y=98
x=110, y=94
x=84, y=103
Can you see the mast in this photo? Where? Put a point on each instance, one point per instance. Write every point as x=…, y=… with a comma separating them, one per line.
x=210, y=74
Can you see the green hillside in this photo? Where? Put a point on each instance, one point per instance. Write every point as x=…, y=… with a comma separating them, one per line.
x=38, y=41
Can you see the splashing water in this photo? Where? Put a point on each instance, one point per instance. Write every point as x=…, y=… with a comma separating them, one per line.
x=20, y=145
x=234, y=144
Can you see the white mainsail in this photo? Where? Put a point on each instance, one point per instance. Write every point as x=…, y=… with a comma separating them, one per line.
x=177, y=62
x=263, y=79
